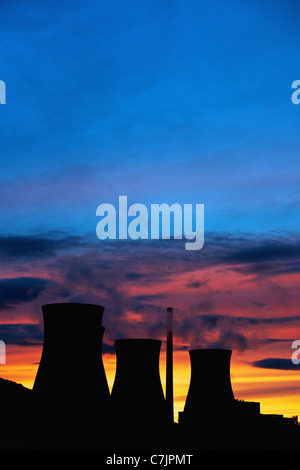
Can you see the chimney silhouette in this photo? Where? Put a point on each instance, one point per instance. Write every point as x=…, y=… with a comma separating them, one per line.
x=137, y=396
x=169, y=367
x=70, y=386
x=210, y=395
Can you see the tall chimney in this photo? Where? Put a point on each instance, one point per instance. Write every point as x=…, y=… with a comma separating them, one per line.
x=169, y=367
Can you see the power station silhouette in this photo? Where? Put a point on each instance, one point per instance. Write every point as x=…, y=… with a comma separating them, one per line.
x=70, y=406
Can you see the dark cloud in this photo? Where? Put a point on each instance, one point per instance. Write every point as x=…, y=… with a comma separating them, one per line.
x=264, y=256
x=241, y=253
x=225, y=331
x=277, y=340
x=99, y=273
x=147, y=298
x=228, y=339
x=19, y=290
x=267, y=250
x=21, y=334
x=214, y=331
x=195, y=284
x=276, y=363
x=212, y=320
x=34, y=247
x=133, y=276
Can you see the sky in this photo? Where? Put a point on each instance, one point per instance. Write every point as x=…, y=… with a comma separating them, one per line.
x=164, y=102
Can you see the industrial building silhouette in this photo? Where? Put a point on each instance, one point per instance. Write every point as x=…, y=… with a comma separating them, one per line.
x=70, y=406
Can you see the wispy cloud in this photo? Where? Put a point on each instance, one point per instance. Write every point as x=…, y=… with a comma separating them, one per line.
x=222, y=298
x=16, y=291
x=276, y=363
x=22, y=334
x=32, y=247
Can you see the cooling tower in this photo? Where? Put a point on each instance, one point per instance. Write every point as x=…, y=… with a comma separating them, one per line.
x=70, y=388
x=210, y=394
x=137, y=395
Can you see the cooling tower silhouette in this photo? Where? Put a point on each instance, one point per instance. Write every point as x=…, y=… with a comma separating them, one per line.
x=70, y=386
x=210, y=394
x=137, y=395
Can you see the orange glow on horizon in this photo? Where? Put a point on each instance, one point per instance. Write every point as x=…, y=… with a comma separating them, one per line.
x=222, y=293
x=21, y=364
x=276, y=390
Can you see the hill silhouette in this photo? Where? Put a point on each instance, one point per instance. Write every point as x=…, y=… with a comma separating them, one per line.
x=15, y=408
x=9, y=388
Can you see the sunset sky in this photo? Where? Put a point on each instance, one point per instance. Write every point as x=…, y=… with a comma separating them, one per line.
x=165, y=102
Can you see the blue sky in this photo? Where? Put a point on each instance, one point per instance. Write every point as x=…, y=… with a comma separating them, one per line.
x=161, y=101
